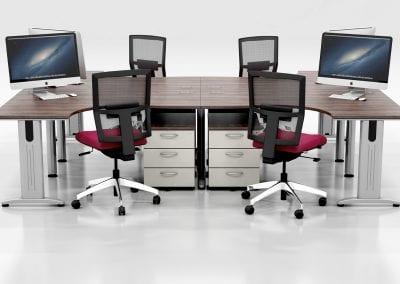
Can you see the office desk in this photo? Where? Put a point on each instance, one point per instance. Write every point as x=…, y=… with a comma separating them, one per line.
x=202, y=93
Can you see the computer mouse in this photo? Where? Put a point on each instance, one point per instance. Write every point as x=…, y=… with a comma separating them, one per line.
x=72, y=94
x=362, y=99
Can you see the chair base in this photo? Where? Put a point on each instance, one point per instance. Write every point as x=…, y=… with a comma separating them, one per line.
x=285, y=187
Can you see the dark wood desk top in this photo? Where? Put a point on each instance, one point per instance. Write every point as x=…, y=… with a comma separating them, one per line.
x=174, y=92
x=203, y=92
x=377, y=105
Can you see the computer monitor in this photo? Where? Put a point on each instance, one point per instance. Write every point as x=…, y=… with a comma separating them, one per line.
x=36, y=61
x=356, y=61
x=81, y=58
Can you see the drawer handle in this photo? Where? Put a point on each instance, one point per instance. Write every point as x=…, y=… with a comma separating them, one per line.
x=168, y=135
x=234, y=154
x=234, y=135
x=234, y=174
x=168, y=174
x=168, y=154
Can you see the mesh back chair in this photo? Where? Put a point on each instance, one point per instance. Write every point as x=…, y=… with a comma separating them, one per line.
x=118, y=98
x=278, y=97
x=148, y=52
x=258, y=53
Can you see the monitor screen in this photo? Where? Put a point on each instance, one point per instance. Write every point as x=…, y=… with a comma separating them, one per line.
x=42, y=57
x=355, y=58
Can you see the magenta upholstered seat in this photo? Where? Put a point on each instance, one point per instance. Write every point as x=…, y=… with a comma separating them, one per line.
x=307, y=142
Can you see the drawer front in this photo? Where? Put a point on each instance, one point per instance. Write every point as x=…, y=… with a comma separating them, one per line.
x=233, y=177
x=229, y=139
x=234, y=157
x=168, y=158
x=171, y=139
x=169, y=177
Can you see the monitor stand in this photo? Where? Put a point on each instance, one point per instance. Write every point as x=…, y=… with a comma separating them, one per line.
x=354, y=94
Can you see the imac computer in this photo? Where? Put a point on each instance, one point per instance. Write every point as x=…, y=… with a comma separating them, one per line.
x=354, y=60
x=81, y=58
x=37, y=61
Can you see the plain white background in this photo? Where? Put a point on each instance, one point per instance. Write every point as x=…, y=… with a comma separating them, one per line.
x=201, y=35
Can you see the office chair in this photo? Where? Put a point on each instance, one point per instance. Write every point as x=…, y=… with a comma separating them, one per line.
x=148, y=52
x=118, y=97
x=258, y=53
x=276, y=97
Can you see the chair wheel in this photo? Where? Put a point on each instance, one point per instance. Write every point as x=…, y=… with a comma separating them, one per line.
x=299, y=213
x=121, y=211
x=7, y=205
x=249, y=209
x=246, y=194
x=396, y=205
x=156, y=199
x=134, y=190
x=322, y=201
x=115, y=191
x=340, y=205
x=76, y=204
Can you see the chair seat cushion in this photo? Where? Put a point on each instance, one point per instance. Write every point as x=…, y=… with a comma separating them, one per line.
x=307, y=142
x=90, y=138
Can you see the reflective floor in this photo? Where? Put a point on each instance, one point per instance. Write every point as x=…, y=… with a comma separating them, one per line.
x=197, y=236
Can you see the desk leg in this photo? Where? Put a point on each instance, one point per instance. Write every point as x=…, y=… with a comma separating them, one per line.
x=201, y=173
x=31, y=166
x=350, y=148
x=51, y=148
x=340, y=129
x=325, y=125
x=369, y=167
x=61, y=142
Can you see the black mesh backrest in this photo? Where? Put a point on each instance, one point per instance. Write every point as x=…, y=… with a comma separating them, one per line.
x=148, y=52
x=258, y=53
x=119, y=98
x=275, y=97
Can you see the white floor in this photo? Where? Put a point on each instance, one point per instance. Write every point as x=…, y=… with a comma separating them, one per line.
x=197, y=236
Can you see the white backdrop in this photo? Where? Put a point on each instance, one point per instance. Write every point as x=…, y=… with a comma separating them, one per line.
x=202, y=35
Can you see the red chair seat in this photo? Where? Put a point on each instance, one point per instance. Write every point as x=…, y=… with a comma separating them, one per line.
x=90, y=138
x=307, y=142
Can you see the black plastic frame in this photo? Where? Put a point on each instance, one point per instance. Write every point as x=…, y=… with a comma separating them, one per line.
x=147, y=37
x=123, y=112
x=272, y=114
x=274, y=64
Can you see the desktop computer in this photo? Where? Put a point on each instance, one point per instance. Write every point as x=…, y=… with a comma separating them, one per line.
x=356, y=61
x=41, y=61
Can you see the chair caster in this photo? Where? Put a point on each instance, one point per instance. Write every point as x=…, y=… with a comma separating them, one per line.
x=134, y=190
x=7, y=205
x=299, y=213
x=396, y=205
x=340, y=205
x=246, y=194
x=249, y=209
x=156, y=199
x=121, y=211
x=322, y=201
x=115, y=191
x=76, y=204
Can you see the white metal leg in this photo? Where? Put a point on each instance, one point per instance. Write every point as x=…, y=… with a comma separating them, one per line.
x=262, y=185
x=340, y=131
x=31, y=166
x=266, y=193
x=61, y=141
x=93, y=189
x=140, y=186
x=308, y=189
x=97, y=181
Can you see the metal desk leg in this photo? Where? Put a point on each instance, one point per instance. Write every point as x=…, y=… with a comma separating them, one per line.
x=75, y=124
x=325, y=125
x=201, y=173
x=340, y=141
x=51, y=148
x=31, y=166
x=61, y=142
x=369, y=167
x=350, y=148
